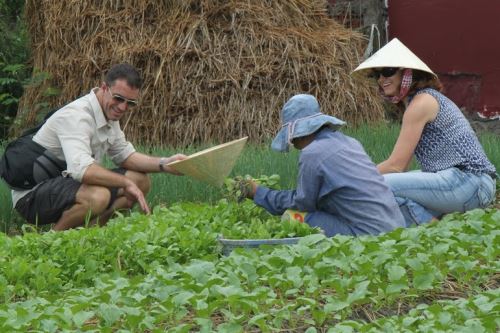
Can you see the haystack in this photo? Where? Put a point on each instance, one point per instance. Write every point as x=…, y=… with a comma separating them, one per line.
x=214, y=70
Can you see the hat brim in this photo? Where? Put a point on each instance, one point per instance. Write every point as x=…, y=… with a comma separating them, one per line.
x=303, y=128
x=211, y=165
x=393, y=54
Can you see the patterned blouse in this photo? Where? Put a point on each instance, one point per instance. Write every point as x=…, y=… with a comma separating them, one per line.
x=449, y=141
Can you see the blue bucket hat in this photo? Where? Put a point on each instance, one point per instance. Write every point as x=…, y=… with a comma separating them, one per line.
x=301, y=116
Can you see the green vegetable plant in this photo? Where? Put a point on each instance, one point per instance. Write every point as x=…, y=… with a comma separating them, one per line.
x=237, y=188
x=162, y=273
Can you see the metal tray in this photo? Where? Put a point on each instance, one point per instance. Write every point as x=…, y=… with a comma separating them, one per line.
x=228, y=245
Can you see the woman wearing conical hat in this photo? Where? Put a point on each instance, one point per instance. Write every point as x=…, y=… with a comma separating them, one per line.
x=455, y=174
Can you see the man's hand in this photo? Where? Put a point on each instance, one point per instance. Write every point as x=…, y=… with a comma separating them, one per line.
x=173, y=158
x=133, y=193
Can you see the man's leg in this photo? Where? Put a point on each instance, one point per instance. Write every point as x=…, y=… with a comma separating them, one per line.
x=69, y=204
x=47, y=202
x=90, y=201
x=119, y=201
x=96, y=204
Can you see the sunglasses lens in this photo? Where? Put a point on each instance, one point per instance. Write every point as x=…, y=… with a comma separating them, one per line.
x=121, y=100
x=385, y=72
x=388, y=71
x=118, y=99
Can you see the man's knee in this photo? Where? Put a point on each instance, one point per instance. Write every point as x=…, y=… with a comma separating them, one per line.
x=95, y=198
x=142, y=180
x=144, y=183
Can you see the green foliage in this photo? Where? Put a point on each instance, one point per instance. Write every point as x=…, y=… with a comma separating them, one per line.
x=14, y=36
x=14, y=55
x=491, y=145
x=162, y=273
x=239, y=187
x=479, y=313
x=134, y=244
x=255, y=160
x=12, y=78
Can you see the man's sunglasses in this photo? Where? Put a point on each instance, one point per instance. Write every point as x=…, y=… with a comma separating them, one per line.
x=385, y=72
x=120, y=99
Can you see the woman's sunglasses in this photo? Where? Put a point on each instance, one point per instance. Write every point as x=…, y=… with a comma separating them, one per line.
x=385, y=72
x=120, y=99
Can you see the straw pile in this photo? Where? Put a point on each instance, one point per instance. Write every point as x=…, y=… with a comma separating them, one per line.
x=214, y=70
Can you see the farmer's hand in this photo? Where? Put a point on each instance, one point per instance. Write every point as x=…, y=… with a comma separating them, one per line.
x=253, y=189
x=166, y=160
x=247, y=189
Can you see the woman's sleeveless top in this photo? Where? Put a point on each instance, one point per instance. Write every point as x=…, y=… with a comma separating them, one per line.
x=449, y=141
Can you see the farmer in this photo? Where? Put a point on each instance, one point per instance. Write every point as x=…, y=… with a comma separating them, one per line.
x=82, y=133
x=338, y=188
x=455, y=173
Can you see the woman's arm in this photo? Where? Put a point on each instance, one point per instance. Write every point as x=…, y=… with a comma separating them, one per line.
x=422, y=110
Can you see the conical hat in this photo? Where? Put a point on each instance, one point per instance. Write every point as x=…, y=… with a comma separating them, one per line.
x=394, y=54
x=211, y=165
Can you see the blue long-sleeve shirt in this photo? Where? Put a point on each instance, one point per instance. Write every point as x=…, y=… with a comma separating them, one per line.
x=336, y=176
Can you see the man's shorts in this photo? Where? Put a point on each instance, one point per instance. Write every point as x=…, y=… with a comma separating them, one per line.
x=47, y=202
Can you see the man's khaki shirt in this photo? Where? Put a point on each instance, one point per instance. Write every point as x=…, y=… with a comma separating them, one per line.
x=80, y=134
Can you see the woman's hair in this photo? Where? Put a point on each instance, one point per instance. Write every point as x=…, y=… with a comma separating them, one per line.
x=422, y=80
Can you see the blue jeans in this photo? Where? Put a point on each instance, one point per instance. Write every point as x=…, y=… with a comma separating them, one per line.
x=425, y=195
x=330, y=224
x=335, y=225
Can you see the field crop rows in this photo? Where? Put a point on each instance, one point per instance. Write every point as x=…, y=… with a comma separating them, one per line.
x=165, y=273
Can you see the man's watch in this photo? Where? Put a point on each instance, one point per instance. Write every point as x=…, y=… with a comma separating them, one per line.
x=163, y=161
